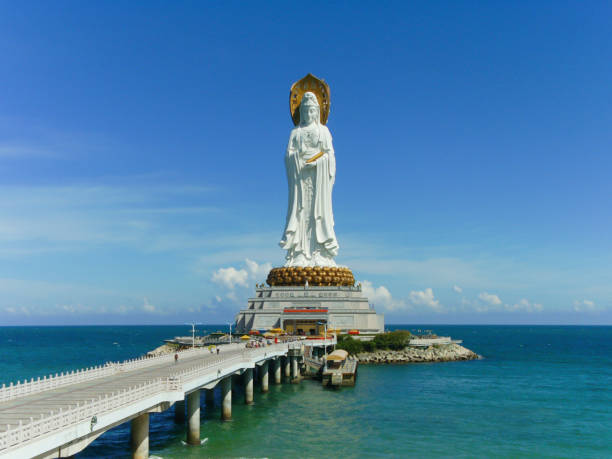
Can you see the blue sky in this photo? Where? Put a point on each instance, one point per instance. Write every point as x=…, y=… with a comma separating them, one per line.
x=141, y=156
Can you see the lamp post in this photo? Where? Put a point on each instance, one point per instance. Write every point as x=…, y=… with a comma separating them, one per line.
x=193, y=324
x=230, y=334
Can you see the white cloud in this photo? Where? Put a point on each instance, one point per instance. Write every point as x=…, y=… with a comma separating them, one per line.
x=148, y=307
x=258, y=272
x=585, y=306
x=40, y=219
x=490, y=299
x=525, y=306
x=380, y=296
x=231, y=277
x=23, y=151
x=457, y=289
x=425, y=298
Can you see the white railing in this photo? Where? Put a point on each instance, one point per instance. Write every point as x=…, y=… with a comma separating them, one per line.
x=87, y=410
x=90, y=409
x=21, y=389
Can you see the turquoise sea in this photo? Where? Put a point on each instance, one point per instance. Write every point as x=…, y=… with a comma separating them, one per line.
x=539, y=391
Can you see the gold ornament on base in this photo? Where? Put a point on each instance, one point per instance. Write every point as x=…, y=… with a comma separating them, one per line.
x=316, y=276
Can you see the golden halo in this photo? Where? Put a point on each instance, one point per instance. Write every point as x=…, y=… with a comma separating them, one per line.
x=309, y=83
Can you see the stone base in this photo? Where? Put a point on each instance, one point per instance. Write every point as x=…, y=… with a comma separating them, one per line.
x=315, y=276
x=340, y=307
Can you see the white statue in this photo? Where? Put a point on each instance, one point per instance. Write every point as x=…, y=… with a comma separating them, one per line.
x=309, y=236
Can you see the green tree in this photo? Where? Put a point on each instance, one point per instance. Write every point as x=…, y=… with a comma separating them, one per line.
x=350, y=345
x=395, y=340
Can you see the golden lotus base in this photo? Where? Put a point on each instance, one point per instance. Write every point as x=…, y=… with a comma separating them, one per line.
x=316, y=276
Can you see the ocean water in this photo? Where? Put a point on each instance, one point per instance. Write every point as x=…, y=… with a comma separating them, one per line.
x=539, y=391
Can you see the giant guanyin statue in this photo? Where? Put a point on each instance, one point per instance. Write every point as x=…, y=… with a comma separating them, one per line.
x=309, y=237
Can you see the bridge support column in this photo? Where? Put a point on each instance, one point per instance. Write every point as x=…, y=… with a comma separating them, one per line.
x=210, y=398
x=265, y=373
x=277, y=370
x=248, y=386
x=193, y=418
x=295, y=372
x=139, y=434
x=179, y=412
x=287, y=367
x=226, y=398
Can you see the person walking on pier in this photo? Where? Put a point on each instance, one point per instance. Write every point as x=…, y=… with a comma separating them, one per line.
x=176, y=358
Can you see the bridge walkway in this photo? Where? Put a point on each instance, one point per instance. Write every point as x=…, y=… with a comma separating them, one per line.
x=31, y=407
x=58, y=416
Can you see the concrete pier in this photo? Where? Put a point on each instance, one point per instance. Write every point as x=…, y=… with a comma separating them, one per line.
x=287, y=367
x=248, y=386
x=226, y=399
x=265, y=373
x=91, y=401
x=193, y=418
x=139, y=436
x=295, y=372
x=277, y=370
x=210, y=398
x=179, y=412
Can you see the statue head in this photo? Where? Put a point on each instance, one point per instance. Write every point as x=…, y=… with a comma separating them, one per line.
x=309, y=109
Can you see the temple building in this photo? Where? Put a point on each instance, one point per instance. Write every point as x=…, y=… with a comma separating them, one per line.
x=307, y=310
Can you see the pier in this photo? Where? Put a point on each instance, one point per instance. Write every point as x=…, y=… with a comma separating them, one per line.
x=59, y=416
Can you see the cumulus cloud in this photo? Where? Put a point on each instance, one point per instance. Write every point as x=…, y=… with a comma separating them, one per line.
x=490, y=299
x=380, y=296
x=257, y=272
x=457, y=289
x=425, y=298
x=231, y=277
x=585, y=306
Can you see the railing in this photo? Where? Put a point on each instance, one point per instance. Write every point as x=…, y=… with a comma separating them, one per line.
x=88, y=410
x=53, y=381
x=21, y=389
x=91, y=409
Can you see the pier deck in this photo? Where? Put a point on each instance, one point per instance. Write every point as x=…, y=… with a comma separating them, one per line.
x=58, y=417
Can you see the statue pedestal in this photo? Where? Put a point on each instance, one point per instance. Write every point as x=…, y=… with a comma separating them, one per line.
x=301, y=310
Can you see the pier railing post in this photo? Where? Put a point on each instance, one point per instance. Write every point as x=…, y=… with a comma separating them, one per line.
x=139, y=436
x=248, y=386
x=226, y=397
x=193, y=418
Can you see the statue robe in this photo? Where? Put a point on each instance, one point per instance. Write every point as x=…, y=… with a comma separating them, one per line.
x=309, y=229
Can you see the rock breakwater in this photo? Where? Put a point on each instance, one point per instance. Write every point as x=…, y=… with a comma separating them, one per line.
x=167, y=348
x=436, y=353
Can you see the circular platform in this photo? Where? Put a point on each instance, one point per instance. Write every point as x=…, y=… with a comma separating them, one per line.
x=316, y=276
